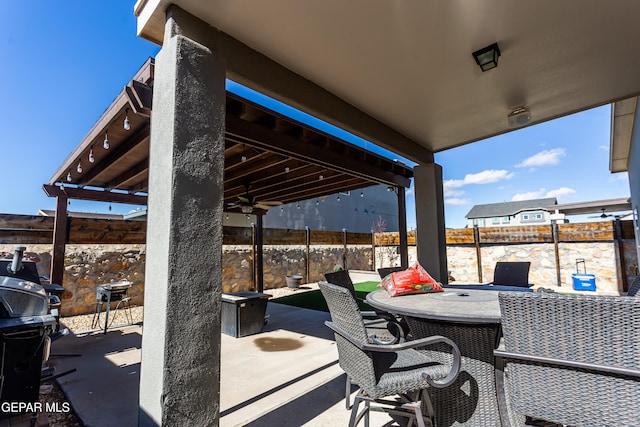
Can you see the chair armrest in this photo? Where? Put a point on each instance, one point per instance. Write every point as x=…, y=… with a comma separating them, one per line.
x=422, y=342
x=568, y=363
x=369, y=314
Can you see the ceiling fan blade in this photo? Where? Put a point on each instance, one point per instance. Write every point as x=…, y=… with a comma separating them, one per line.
x=270, y=202
x=263, y=206
x=244, y=199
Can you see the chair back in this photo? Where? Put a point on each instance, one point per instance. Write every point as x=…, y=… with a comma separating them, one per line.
x=341, y=278
x=345, y=314
x=635, y=287
x=587, y=329
x=385, y=271
x=512, y=274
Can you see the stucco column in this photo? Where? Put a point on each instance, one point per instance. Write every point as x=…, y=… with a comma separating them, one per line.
x=430, y=235
x=180, y=373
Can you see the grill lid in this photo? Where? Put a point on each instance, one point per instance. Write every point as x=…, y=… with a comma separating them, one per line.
x=21, y=298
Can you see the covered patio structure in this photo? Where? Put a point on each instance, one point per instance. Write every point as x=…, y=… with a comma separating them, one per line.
x=399, y=74
x=269, y=160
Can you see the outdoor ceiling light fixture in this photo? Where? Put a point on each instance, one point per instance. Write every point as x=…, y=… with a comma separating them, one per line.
x=126, y=124
x=105, y=143
x=519, y=117
x=487, y=57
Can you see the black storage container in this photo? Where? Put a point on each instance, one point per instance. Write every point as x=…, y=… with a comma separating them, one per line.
x=25, y=327
x=243, y=313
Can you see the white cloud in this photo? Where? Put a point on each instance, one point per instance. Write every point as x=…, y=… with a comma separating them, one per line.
x=528, y=196
x=453, y=201
x=543, y=158
x=452, y=193
x=558, y=193
x=488, y=176
x=452, y=183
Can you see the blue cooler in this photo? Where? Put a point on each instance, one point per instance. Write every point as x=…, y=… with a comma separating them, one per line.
x=583, y=281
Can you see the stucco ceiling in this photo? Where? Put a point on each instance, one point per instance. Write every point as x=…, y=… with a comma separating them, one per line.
x=409, y=63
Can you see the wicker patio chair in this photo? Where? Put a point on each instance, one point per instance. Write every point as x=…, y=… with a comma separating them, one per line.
x=382, y=327
x=571, y=359
x=635, y=287
x=385, y=271
x=512, y=274
x=388, y=328
x=383, y=371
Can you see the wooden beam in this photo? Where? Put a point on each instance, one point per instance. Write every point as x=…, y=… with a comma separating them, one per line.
x=115, y=154
x=103, y=122
x=140, y=97
x=129, y=174
x=26, y=222
x=94, y=195
x=402, y=227
x=259, y=253
x=60, y=238
x=256, y=135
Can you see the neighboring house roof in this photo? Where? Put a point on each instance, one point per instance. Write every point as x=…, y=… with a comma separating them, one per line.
x=47, y=212
x=492, y=210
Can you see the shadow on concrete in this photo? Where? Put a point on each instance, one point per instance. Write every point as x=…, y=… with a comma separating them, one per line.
x=104, y=388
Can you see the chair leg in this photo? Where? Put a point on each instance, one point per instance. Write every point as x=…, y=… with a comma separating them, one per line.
x=355, y=416
x=347, y=393
x=415, y=405
x=354, y=412
x=367, y=404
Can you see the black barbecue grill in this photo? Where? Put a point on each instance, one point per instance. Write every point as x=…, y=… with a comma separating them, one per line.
x=25, y=327
x=108, y=293
x=28, y=271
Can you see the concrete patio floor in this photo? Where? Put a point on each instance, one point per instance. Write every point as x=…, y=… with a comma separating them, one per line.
x=288, y=375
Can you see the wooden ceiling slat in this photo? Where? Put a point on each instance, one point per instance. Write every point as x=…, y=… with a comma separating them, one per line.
x=327, y=185
x=269, y=140
x=113, y=156
x=132, y=173
x=265, y=169
x=306, y=175
x=306, y=194
x=253, y=134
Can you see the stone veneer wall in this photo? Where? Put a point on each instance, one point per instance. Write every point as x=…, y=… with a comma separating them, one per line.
x=281, y=261
x=87, y=266
x=600, y=260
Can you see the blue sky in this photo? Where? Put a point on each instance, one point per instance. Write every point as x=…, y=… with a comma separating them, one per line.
x=567, y=158
x=64, y=62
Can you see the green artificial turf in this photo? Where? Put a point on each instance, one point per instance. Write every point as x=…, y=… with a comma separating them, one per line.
x=315, y=301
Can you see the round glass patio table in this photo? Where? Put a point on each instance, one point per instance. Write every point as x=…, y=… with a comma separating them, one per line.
x=471, y=318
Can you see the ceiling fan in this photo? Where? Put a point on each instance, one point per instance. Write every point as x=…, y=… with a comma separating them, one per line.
x=247, y=203
x=605, y=215
x=602, y=215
